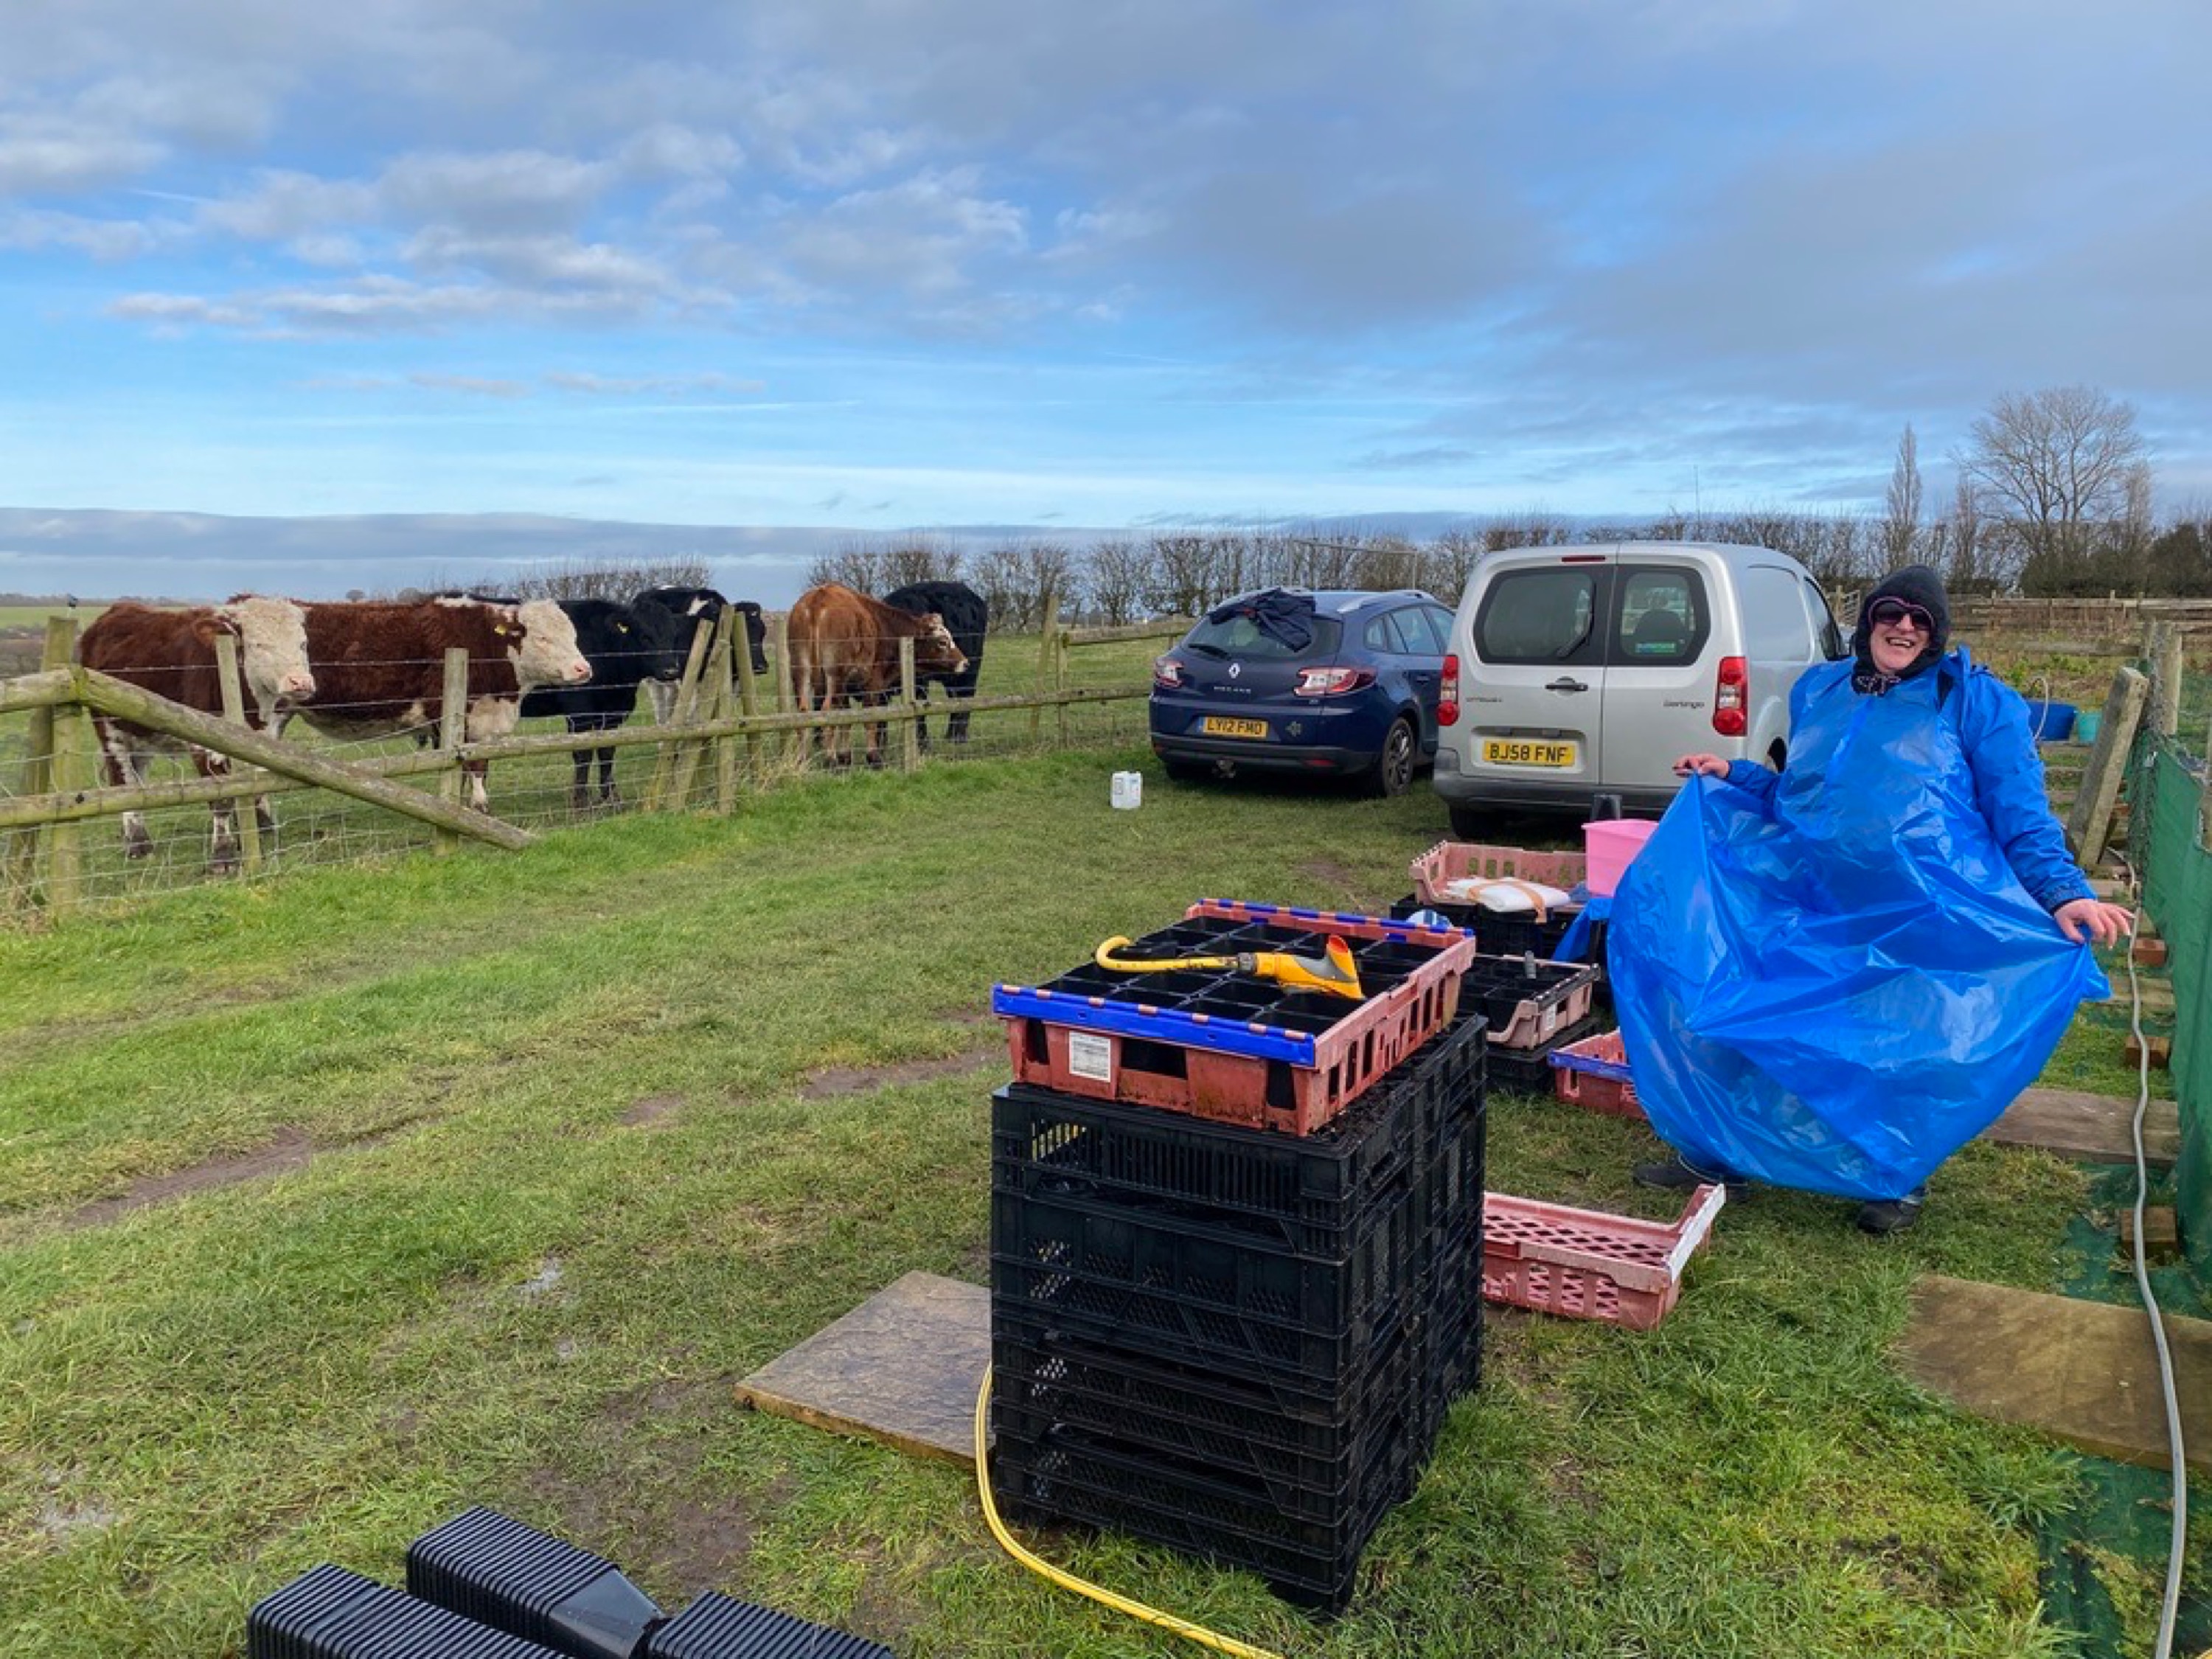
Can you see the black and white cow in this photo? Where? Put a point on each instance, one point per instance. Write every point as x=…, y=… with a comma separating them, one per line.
x=967, y=618
x=628, y=646
x=693, y=609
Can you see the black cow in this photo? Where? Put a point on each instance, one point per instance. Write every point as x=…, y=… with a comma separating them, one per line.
x=627, y=644
x=966, y=618
x=693, y=608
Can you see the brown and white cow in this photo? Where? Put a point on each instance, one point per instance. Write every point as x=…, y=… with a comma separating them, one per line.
x=845, y=648
x=380, y=666
x=172, y=653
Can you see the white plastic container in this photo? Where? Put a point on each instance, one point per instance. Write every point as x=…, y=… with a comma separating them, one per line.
x=1128, y=793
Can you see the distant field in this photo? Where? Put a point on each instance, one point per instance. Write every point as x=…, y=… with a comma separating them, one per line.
x=33, y=616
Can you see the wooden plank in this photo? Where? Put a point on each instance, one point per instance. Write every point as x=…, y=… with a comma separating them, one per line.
x=2089, y=824
x=904, y=1368
x=2084, y=1371
x=2098, y=1128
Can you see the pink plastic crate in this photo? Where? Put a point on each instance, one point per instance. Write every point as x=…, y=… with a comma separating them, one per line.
x=1455, y=860
x=1585, y=1264
x=1593, y=1075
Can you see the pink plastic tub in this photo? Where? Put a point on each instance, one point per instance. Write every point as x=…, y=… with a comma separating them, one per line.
x=1608, y=845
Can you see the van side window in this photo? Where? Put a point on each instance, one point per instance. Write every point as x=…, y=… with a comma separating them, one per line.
x=1663, y=618
x=1539, y=616
x=1774, y=623
x=1831, y=637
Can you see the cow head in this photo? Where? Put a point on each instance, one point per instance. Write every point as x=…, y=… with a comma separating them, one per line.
x=541, y=643
x=935, y=652
x=755, y=632
x=272, y=649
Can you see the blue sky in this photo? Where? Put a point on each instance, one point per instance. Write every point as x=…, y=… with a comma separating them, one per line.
x=866, y=265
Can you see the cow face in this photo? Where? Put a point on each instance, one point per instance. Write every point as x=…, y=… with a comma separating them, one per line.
x=542, y=644
x=935, y=652
x=272, y=649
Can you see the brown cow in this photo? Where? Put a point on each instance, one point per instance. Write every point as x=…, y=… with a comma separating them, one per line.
x=172, y=653
x=380, y=666
x=844, y=647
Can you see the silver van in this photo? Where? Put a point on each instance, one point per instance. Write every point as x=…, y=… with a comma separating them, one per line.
x=1582, y=671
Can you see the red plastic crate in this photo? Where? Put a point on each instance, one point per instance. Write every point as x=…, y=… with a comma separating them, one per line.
x=1585, y=1264
x=1455, y=860
x=1593, y=1075
x=1241, y=1070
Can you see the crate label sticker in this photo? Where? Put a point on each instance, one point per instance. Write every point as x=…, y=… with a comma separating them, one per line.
x=1090, y=1056
x=1551, y=1021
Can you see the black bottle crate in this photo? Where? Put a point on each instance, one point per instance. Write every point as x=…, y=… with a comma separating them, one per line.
x=717, y=1626
x=496, y=1569
x=331, y=1613
x=1500, y=932
x=1071, y=1475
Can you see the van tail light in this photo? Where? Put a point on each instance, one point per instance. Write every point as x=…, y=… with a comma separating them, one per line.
x=1732, y=697
x=1167, y=673
x=1332, y=682
x=1448, y=691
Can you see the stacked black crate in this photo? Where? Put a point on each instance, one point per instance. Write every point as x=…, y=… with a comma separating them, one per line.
x=1233, y=1342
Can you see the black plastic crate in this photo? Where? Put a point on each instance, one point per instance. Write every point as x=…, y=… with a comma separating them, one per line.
x=493, y=1568
x=1306, y=1460
x=1522, y=995
x=1069, y=1476
x=331, y=1613
x=1500, y=932
x=1306, y=1193
x=717, y=1626
x=1528, y=1071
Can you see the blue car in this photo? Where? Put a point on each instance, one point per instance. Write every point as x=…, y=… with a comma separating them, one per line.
x=1329, y=682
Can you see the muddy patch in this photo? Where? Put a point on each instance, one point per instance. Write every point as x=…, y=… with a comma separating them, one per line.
x=841, y=1080
x=1328, y=870
x=650, y=1110
x=290, y=1149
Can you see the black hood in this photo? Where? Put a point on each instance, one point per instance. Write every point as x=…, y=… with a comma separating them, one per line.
x=1916, y=584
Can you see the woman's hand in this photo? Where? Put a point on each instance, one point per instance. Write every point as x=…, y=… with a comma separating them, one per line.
x=1707, y=766
x=2089, y=919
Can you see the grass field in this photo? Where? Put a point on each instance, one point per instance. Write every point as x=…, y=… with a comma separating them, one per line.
x=331, y=1205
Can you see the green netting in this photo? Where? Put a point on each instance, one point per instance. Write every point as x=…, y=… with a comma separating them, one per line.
x=2169, y=791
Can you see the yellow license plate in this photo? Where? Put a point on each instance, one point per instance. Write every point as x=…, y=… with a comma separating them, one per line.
x=1220, y=726
x=1520, y=752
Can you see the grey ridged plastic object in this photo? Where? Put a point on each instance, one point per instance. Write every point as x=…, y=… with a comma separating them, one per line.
x=513, y=1576
x=331, y=1613
x=719, y=1627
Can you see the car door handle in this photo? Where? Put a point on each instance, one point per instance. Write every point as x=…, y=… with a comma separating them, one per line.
x=1563, y=683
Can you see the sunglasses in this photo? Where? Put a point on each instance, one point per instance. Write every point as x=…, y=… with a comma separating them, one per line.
x=1887, y=613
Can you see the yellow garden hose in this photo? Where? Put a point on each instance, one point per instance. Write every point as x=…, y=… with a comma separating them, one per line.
x=1197, y=1633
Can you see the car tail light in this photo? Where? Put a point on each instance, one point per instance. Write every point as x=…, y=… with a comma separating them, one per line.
x=1332, y=682
x=1732, y=697
x=1448, y=691
x=1167, y=673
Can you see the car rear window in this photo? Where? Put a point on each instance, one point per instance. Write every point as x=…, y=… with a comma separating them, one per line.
x=1543, y=615
x=1242, y=636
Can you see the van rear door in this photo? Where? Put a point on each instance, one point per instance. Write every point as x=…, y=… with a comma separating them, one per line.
x=1532, y=700
x=1664, y=660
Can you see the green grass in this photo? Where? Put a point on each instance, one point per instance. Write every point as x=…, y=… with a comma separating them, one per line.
x=566, y=1186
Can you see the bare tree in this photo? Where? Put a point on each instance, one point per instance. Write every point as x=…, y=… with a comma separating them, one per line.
x=1119, y=573
x=1901, y=527
x=1962, y=547
x=2051, y=469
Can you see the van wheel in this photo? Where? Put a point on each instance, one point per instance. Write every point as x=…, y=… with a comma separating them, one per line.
x=1394, y=766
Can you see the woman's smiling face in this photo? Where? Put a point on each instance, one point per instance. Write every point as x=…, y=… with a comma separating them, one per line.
x=1896, y=635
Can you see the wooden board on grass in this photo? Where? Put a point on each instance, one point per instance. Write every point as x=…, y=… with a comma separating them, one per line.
x=904, y=1368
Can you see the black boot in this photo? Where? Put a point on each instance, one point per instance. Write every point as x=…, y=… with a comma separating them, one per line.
x=1892, y=1215
x=1678, y=1174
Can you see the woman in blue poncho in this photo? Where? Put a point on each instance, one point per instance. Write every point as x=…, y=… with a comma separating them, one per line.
x=1832, y=977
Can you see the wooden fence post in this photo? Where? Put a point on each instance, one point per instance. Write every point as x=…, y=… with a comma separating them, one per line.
x=2089, y=822
x=246, y=824
x=2170, y=664
x=793, y=746
x=22, y=859
x=452, y=732
x=1059, y=653
x=1048, y=609
x=729, y=650
x=69, y=746
x=748, y=700
x=909, y=711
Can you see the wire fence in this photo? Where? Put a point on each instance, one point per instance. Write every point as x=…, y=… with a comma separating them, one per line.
x=65, y=844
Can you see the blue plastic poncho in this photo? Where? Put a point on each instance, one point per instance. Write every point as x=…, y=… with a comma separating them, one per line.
x=1835, y=977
